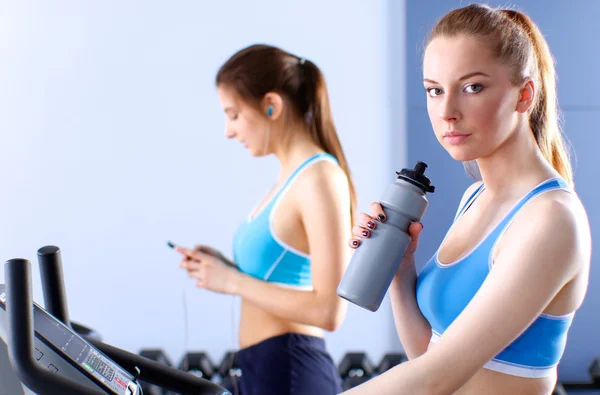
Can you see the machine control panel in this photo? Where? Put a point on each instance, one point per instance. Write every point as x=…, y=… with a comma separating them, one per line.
x=72, y=348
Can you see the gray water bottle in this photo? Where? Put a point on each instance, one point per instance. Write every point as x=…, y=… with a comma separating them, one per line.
x=375, y=262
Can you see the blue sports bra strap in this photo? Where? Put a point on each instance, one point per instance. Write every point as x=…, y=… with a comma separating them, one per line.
x=548, y=185
x=299, y=169
x=469, y=201
x=305, y=164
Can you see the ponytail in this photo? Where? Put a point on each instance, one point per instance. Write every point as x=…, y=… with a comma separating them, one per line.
x=320, y=120
x=543, y=119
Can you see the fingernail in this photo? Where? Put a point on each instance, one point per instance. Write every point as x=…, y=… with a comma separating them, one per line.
x=365, y=233
x=381, y=217
x=371, y=225
x=355, y=243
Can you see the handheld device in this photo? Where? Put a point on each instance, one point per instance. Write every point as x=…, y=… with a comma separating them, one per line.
x=225, y=261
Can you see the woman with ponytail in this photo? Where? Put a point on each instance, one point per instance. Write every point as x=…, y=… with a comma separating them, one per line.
x=490, y=312
x=290, y=253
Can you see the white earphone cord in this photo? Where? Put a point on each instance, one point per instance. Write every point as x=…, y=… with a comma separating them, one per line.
x=267, y=140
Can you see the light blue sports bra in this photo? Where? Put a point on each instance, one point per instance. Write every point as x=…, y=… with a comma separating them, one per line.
x=260, y=253
x=444, y=290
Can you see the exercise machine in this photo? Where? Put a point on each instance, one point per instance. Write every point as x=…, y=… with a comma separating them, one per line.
x=42, y=354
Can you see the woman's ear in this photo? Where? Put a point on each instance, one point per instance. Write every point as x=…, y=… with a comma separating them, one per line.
x=272, y=105
x=526, y=96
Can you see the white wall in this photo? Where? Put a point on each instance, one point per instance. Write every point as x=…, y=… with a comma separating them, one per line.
x=112, y=143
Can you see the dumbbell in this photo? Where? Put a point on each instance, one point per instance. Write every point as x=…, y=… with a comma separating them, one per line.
x=389, y=361
x=198, y=364
x=355, y=368
x=594, y=384
x=229, y=370
x=159, y=356
x=595, y=371
x=559, y=389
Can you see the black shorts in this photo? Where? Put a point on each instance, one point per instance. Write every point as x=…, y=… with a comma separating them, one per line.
x=289, y=364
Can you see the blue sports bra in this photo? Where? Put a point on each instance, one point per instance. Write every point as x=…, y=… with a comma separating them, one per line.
x=444, y=290
x=260, y=253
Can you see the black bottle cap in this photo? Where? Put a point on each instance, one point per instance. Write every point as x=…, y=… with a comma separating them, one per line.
x=417, y=177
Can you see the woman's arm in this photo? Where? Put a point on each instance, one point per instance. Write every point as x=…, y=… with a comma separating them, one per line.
x=536, y=263
x=413, y=328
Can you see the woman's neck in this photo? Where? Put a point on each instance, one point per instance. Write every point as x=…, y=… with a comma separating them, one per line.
x=295, y=146
x=515, y=166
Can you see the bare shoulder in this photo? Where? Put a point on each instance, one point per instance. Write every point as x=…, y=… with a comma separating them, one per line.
x=561, y=208
x=323, y=178
x=322, y=198
x=555, y=220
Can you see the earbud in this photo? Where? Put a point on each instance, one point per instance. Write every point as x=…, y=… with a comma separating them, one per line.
x=270, y=111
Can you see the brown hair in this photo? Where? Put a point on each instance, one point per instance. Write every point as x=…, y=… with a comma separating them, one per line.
x=259, y=69
x=518, y=42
